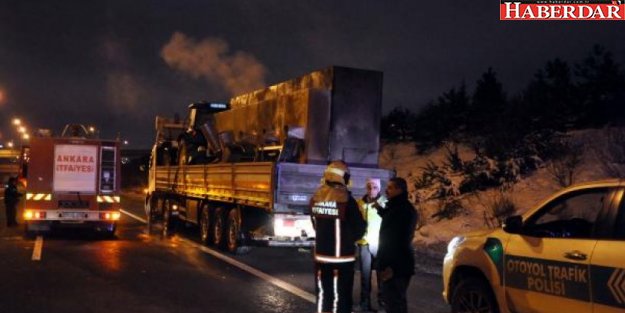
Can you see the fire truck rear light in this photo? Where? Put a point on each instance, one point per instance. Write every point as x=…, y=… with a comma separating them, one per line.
x=110, y=216
x=30, y=215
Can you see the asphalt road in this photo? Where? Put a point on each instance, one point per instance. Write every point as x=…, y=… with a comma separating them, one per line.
x=136, y=272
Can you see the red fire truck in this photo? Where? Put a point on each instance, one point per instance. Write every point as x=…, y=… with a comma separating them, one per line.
x=73, y=181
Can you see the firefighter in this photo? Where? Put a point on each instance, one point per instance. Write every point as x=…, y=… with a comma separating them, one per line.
x=11, y=199
x=338, y=224
x=367, y=247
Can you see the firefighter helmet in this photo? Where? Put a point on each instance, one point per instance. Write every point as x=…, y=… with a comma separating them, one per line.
x=337, y=172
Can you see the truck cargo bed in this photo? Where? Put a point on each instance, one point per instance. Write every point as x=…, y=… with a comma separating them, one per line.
x=255, y=184
x=241, y=183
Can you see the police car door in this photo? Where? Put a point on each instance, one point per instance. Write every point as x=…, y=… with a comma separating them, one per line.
x=547, y=266
x=607, y=269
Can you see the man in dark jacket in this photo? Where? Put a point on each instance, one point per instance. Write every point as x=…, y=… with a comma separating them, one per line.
x=395, y=254
x=11, y=199
x=338, y=224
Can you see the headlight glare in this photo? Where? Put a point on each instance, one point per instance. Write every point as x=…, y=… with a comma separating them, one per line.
x=454, y=243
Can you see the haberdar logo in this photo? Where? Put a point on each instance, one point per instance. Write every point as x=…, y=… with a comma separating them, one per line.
x=565, y=10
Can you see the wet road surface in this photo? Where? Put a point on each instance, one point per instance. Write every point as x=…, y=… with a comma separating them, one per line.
x=81, y=271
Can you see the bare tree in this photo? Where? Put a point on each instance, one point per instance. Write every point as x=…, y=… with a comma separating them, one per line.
x=564, y=166
x=612, y=154
x=498, y=208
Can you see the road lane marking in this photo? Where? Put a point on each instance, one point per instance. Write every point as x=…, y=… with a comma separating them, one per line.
x=262, y=275
x=38, y=248
x=13, y=238
x=138, y=218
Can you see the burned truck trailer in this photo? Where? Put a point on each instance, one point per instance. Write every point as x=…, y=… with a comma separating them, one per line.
x=245, y=171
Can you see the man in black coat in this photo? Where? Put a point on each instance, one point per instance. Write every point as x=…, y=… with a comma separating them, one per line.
x=395, y=254
x=11, y=199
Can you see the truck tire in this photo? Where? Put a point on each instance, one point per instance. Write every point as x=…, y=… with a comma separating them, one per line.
x=218, y=228
x=150, y=205
x=110, y=233
x=473, y=295
x=29, y=234
x=234, y=240
x=168, y=219
x=206, y=233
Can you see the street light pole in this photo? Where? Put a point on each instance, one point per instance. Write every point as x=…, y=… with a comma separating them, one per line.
x=22, y=132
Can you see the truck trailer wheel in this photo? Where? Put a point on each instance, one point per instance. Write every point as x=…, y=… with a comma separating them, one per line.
x=206, y=234
x=168, y=219
x=473, y=295
x=29, y=234
x=110, y=232
x=151, y=202
x=218, y=228
x=234, y=240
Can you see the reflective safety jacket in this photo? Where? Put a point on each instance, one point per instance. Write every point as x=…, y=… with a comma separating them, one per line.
x=338, y=224
x=369, y=210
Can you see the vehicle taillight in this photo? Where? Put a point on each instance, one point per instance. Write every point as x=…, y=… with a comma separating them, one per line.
x=30, y=215
x=110, y=216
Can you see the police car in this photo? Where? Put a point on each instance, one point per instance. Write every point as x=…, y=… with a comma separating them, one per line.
x=566, y=255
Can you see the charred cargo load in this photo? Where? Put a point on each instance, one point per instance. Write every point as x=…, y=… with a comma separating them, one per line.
x=244, y=171
x=335, y=111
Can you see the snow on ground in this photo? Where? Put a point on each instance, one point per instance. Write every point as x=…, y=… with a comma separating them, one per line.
x=432, y=235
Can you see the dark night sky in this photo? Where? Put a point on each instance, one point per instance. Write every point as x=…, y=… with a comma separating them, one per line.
x=102, y=62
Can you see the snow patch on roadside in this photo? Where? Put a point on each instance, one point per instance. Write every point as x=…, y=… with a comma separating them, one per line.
x=432, y=235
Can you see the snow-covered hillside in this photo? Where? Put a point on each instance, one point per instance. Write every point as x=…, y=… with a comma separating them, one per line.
x=433, y=233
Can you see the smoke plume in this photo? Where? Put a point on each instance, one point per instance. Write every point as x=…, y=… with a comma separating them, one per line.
x=237, y=72
x=125, y=92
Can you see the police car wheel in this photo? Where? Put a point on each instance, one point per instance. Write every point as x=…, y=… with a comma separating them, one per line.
x=473, y=295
